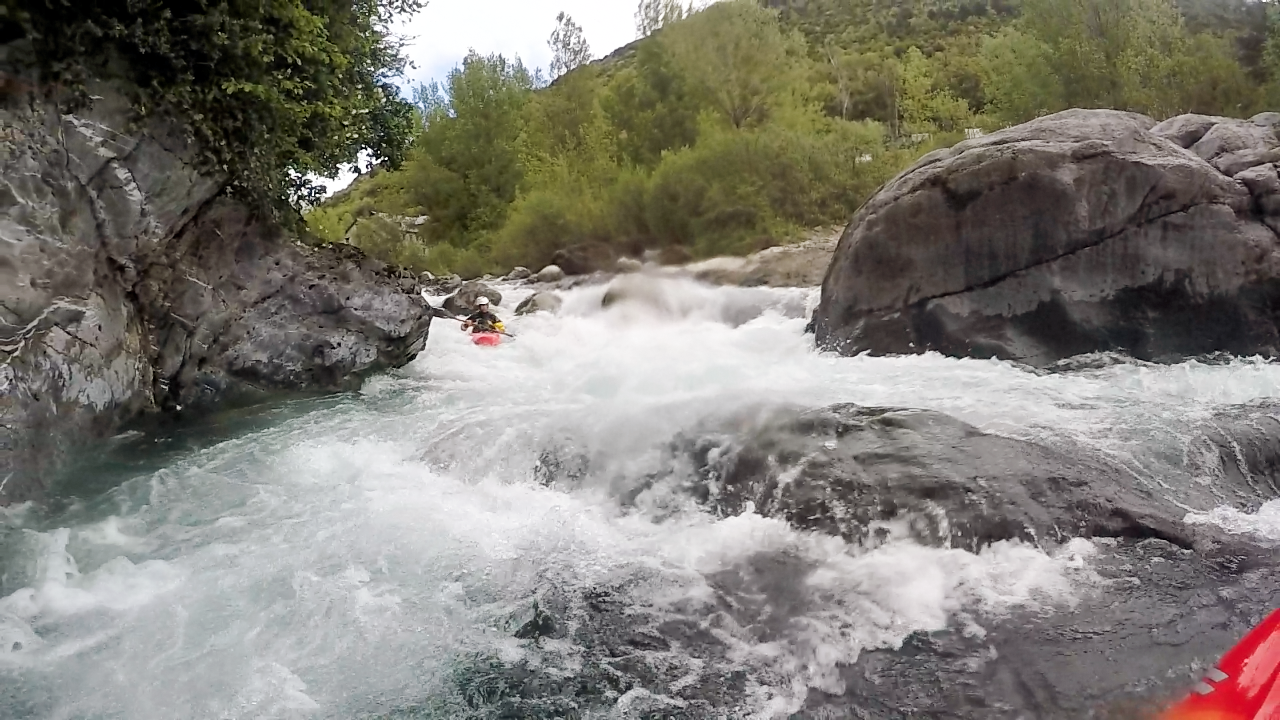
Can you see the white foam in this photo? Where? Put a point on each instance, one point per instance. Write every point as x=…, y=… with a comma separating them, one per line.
x=1264, y=523
x=347, y=556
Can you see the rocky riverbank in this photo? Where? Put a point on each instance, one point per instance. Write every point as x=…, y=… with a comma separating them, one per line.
x=133, y=285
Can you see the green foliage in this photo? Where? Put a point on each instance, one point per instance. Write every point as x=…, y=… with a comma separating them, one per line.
x=470, y=168
x=651, y=106
x=653, y=15
x=271, y=91
x=731, y=128
x=569, y=48
x=739, y=60
x=1018, y=76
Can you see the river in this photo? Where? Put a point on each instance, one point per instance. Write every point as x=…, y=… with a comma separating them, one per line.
x=371, y=554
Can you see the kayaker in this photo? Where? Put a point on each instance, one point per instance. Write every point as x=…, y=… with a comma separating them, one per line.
x=482, y=320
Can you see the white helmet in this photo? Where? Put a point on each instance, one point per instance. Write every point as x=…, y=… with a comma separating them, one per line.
x=482, y=300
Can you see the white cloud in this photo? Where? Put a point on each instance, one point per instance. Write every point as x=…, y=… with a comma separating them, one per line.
x=440, y=35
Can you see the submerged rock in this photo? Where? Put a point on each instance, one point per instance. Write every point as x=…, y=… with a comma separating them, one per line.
x=1082, y=231
x=1143, y=637
x=1153, y=602
x=132, y=285
x=867, y=474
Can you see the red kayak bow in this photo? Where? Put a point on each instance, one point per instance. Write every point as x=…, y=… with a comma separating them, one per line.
x=1242, y=686
x=486, y=338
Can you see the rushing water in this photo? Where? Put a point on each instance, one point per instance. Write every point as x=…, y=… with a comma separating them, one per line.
x=339, y=558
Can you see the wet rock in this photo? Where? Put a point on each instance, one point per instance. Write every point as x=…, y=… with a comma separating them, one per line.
x=585, y=258
x=1140, y=640
x=629, y=265
x=1082, y=231
x=550, y=274
x=540, y=302
x=867, y=474
x=519, y=273
x=463, y=301
x=315, y=319
x=132, y=285
x=802, y=264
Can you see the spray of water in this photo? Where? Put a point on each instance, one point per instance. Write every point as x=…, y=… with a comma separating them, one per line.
x=337, y=564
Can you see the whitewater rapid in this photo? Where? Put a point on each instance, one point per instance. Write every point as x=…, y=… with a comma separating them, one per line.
x=345, y=557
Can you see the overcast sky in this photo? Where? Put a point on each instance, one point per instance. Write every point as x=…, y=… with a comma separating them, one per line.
x=440, y=35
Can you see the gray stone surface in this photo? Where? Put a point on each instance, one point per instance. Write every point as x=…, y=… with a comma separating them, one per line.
x=129, y=286
x=1083, y=231
x=550, y=274
x=544, y=301
x=463, y=301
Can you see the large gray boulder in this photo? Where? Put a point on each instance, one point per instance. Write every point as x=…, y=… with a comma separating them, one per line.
x=463, y=301
x=1082, y=231
x=131, y=285
x=544, y=301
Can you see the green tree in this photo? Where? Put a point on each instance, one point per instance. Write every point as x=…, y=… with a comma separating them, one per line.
x=1271, y=59
x=652, y=15
x=1125, y=54
x=651, y=107
x=471, y=167
x=924, y=108
x=272, y=92
x=738, y=59
x=1018, y=77
x=568, y=46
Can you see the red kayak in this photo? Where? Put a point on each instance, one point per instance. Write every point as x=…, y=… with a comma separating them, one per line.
x=486, y=338
x=1242, y=686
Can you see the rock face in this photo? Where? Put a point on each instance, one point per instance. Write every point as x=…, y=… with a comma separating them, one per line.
x=802, y=264
x=130, y=284
x=1082, y=231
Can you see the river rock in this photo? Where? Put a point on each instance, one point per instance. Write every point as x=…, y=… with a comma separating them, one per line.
x=1082, y=231
x=1140, y=639
x=854, y=472
x=519, y=273
x=801, y=264
x=585, y=258
x=463, y=302
x=540, y=302
x=629, y=265
x=1154, y=602
x=550, y=274
x=132, y=285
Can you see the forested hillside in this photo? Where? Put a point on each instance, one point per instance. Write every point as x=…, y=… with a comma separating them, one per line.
x=728, y=128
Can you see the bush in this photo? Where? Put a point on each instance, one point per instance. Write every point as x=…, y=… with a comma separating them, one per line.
x=735, y=190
